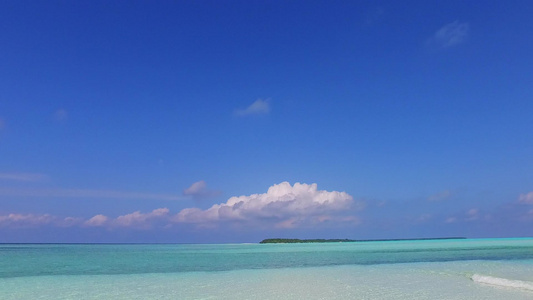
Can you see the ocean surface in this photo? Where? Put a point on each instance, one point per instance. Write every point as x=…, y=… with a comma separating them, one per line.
x=424, y=269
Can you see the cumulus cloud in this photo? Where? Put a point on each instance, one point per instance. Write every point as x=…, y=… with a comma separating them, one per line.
x=284, y=204
x=257, y=108
x=69, y=221
x=141, y=220
x=451, y=34
x=295, y=222
x=22, y=176
x=195, y=188
x=96, y=221
x=16, y=220
x=526, y=198
x=25, y=220
x=199, y=190
x=133, y=220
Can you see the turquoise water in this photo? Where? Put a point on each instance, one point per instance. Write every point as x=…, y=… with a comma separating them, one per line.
x=431, y=269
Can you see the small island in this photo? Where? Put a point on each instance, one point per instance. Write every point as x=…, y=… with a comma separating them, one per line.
x=294, y=241
x=303, y=241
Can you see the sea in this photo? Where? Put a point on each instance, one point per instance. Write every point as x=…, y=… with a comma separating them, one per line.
x=417, y=269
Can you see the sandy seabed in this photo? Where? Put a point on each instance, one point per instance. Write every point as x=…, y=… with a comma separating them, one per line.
x=440, y=280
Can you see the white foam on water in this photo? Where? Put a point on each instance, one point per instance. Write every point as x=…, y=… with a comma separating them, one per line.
x=503, y=282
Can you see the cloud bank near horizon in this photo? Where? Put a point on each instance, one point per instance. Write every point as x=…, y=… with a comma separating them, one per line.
x=282, y=206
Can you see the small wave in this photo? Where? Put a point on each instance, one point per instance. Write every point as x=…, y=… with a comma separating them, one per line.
x=518, y=284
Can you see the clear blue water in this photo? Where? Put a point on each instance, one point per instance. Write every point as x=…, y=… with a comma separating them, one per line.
x=446, y=269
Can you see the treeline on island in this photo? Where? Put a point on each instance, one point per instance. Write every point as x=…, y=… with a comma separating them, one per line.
x=296, y=241
x=276, y=241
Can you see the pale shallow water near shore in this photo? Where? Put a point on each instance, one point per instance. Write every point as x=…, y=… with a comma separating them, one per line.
x=318, y=271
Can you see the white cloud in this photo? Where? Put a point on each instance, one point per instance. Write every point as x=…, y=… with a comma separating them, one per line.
x=22, y=176
x=69, y=222
x=84, y=193
x=140, y=220
x=98, y=220
x=15, y=220
x=195, y=188
x=440, y=196
x=283, y=204
x=451, y=220
x=450, y=34
x=295, y=222
x=27, y=220
x=133, y=220
x=526, y=198
x=199, y=190
x=472, y=214
x=257, y=108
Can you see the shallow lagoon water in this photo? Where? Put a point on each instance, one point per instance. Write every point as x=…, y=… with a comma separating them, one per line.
x=438, y=269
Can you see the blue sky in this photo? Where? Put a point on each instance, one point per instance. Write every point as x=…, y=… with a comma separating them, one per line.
x=234, y=121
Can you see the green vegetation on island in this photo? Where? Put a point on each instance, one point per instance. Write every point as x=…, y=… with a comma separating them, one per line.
x=300, y=241
x=293, y=241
